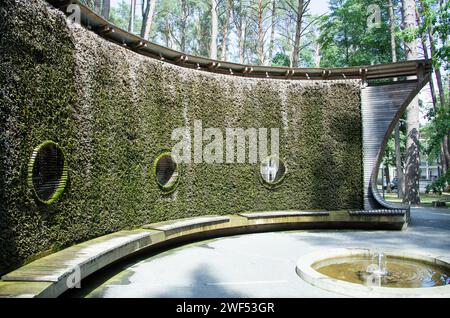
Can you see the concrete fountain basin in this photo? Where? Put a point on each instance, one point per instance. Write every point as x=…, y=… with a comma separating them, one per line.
x=306, y=268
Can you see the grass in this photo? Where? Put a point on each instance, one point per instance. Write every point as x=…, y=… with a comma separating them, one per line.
x=425, y=199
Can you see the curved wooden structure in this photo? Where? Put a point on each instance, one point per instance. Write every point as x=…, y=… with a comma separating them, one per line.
x=382, y=107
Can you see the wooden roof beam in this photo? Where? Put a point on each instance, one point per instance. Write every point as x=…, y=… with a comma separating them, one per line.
x=106, y=29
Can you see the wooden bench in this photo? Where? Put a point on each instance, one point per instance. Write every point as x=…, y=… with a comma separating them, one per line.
x=171, y=227
x=283, y=214
x=439, y=204
x=379, y=212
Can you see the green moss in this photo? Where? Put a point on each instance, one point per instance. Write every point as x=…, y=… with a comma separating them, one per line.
x=111, y=110
x=36, y=104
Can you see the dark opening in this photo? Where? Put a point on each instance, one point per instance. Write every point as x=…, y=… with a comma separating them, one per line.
x=166, y=171
x=48, y=169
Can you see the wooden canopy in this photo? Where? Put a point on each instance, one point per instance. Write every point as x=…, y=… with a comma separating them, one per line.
x=108, y=31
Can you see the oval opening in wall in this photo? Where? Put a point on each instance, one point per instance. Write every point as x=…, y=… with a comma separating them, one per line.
x=47, y=172
x=272, y=171
x=166, y=172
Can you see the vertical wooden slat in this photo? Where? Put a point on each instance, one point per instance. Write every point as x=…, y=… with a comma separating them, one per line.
x=380, y=106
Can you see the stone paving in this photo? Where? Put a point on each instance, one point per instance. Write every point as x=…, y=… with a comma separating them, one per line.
x=261, y=265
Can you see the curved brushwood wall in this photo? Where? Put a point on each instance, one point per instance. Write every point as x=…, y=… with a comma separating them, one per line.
x=113, y=111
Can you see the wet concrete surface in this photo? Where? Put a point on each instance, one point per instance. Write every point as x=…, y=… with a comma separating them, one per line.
x=258, y=265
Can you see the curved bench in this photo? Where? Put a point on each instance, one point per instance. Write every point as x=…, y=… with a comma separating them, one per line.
x=187, y=225
x=377, y=212
x=52, y=275
x=283, y=214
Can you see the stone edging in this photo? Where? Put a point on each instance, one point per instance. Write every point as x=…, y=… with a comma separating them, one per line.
x=306, y=272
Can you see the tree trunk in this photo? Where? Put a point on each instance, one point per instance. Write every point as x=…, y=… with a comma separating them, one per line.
x=240, y=44
x=317, y=55
x=412, y=144
x=106, y=8
x=240, y=23
x=183, y=24
x=147, y=18
x=298, y=30
x=260, y=44
x=387, y=178
x=167, y=32
x=446, y=154
x=223, y=55
x=214, y=31
x=272, y=33
x=426, y=56
x=398, y=163
x=289, y=36
x=437, y=71
x=132, y=14
x=398, y=155
x=412, y=154
x=347, y=47
x=98, y=6
x=392, y=31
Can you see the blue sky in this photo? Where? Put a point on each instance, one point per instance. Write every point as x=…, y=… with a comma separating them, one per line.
x=318, y=6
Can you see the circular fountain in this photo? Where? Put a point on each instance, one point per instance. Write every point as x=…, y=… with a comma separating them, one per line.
x=371, y=273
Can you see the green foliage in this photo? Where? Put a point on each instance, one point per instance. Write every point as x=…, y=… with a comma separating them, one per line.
x=37, y=99
x=347, y=39
x=169, y=23
x=280, y=59
x=389, y=151
x=389, y=157
x=435, y=131
x=408, y=35
x=120, y=16
x=436, y=17
x=440, y=184
x=306, y=58
x=89, y=3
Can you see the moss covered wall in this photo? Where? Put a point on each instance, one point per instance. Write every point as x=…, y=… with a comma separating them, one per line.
x=113, y=112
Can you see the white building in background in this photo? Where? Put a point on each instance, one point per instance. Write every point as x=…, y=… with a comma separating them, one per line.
x=429, y=171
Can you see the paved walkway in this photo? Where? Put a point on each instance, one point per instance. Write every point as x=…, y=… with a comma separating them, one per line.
x=262, y=265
